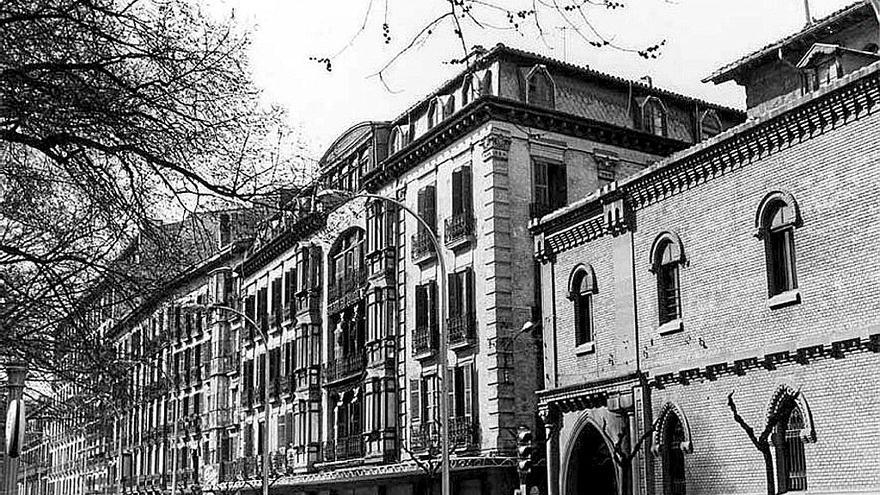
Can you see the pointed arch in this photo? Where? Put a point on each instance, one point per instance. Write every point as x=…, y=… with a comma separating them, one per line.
x=808, y=433
x=663, y=423
x=710, y=124
x=540, y=87
x=655, y=116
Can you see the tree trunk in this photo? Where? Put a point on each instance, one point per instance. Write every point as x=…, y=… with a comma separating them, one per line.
x=769, y=468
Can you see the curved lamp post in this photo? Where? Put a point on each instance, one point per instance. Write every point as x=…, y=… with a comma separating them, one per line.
x=343, y=197
x=267, y=405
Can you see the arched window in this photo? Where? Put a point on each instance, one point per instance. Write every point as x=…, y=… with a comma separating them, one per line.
x=432, y=114
x=541, y=90
x=449, y=107
x=486, y=84
x=654, y=117
x=667, y=256
x=674, y=480
x=710, y=124
x=778, y=217
x=467, y=88
x=582, y=286
x=790, y=457
x=395, y=141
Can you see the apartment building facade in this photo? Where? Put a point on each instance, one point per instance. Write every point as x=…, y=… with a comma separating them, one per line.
x=348, y=293
x=729, y=275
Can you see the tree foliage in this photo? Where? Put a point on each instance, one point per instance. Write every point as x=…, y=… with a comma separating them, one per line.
x=116, y=115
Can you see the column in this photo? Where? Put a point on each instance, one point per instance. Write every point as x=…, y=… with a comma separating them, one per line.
x=550, y=418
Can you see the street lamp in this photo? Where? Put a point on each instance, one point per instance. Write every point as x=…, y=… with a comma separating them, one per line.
x=267, y=410
x=343, y=197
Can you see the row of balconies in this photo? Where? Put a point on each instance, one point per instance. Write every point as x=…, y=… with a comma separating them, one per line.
x=461, y=333
x=459, y=229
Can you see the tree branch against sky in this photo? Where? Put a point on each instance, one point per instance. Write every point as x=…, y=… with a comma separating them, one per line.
x=467, y=20
x=116, y=117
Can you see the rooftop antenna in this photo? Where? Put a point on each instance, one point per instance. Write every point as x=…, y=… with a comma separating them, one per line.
x=807, y=12
x=564, y=30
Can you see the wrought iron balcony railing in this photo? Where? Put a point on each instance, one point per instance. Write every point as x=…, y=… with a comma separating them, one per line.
x=422, y=247
x=463, y=432
x=344, y=448
x=459, y=228
x=344, y=367
x=462, y=329
x=425, y=341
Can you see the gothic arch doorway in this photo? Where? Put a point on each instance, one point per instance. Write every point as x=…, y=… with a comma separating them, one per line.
x=590, y=467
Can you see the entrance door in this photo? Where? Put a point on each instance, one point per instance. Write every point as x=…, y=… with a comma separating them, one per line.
x=591, y=467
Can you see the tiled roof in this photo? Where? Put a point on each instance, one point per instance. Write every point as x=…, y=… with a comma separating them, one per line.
x=500, y=50
x=725, y=73
x=583, y=203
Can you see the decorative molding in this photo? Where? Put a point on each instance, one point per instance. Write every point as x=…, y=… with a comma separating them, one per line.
x=496, y=146
x=687, y=446
x=808, y=434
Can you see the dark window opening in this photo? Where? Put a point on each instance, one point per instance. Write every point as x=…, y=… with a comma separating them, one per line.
x=779, y=244
x=790, y=453
x=673, y=457
x=668, y=290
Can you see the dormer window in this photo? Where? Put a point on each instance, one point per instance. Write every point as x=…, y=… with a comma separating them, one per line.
x=822, y=74
x=449, y=107
x=654, y=117
x=541, y=89
x=432, y=114
x=467, y=90
x=710, y=124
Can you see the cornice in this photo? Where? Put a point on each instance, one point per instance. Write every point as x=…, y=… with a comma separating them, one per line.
x=303, y=227
x=852, y=98
x=489, y=108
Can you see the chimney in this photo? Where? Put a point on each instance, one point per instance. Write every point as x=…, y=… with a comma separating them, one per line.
x=647, y=80
x=807, y=12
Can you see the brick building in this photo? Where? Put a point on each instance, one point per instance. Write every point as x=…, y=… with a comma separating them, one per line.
x=350, y=297
x=736, y=265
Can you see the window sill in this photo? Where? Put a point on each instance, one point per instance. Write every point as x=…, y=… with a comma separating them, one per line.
x=784, y=299
x=585, y=348
x=670, y=327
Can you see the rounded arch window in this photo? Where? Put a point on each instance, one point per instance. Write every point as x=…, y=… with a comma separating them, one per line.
x=582, y=286
x=777, y=218
x=667, y=257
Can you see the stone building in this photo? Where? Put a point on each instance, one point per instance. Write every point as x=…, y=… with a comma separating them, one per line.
x=739, y=265
x=349, y=294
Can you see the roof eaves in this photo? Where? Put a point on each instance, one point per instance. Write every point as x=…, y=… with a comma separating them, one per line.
x=726, y=72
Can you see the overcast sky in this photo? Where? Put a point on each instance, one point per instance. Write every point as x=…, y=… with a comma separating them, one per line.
x=701, y=35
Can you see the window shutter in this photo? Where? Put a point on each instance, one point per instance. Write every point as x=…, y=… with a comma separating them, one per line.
x=290, y=429
x=539, y=172
x=453, y=290
x=421, y=306
x=315, y=267
x=467, y=200
x=450, y=402
x=432, y=306
x=420, y=203
x=282, y=430
x=414, y=396
x=431, y=207
x=457, y=198
x=470, y=300
x=469, y=389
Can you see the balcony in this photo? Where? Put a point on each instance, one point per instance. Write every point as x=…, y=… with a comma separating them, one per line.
x=463, y=433
x=425, y=342
x=344, y=367
x=459, y=230
x=350, y=447
x=424, y=436
x=422, y=247
x=344, y=291
x=305, y=379
x=462, y=330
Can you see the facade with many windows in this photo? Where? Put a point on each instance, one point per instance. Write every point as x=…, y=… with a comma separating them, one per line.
x=726, y=281
x=347, y=295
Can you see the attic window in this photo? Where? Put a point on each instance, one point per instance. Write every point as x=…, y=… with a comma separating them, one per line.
x=541, y=90
x=654, y=117
x=824, y=73
x=710, y=124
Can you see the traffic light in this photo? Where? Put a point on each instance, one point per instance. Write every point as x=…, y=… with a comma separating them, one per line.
x=525, y=449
